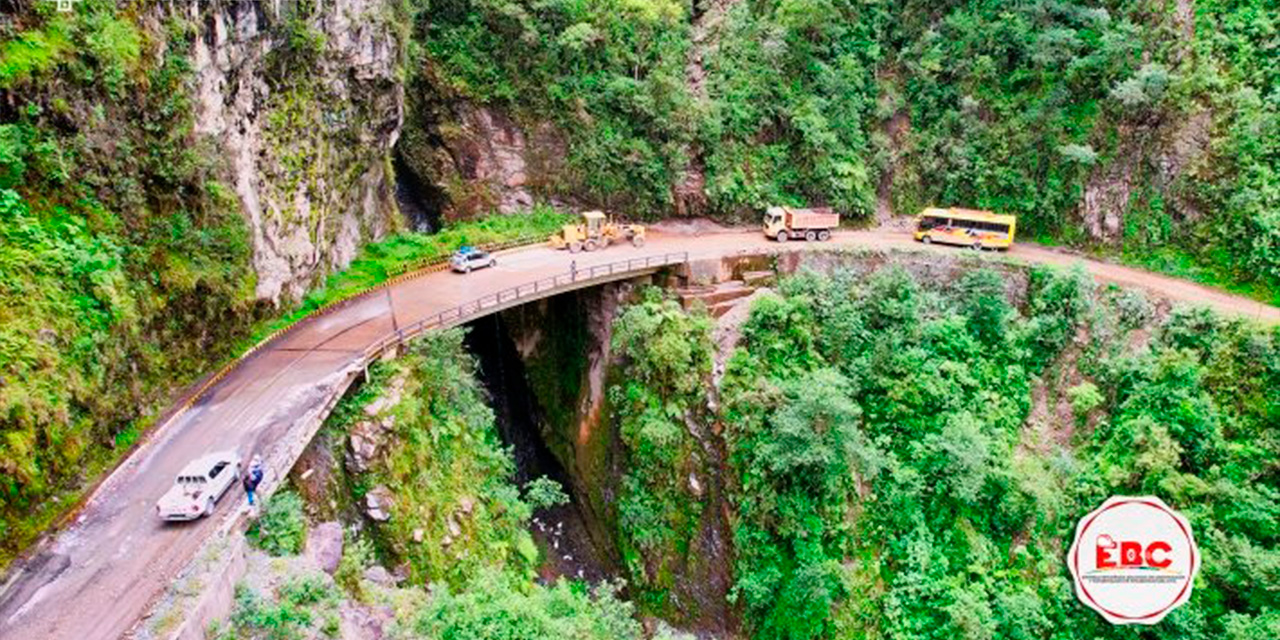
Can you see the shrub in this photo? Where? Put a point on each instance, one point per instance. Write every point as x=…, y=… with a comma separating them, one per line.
x=357, y=555
x=491, y=608
x=32, y=53
x=543, y=492
x=1084, y=398
x=267, y=619
x=282, y=528
x=308, y=590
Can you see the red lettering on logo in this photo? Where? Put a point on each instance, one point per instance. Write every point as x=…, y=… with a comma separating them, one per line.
x=1162, y=547
x=1131, y=554
x=1104, y=546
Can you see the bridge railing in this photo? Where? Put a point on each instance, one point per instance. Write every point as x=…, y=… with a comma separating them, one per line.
x=537, y=288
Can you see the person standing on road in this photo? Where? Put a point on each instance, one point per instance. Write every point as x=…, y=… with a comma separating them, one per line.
x=573, y=269
x=253, y=478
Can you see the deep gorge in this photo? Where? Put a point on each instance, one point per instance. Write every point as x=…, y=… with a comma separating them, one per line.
x=891, y=446
x=779, y=470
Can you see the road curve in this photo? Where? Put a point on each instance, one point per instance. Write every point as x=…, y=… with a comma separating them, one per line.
x=97, y=577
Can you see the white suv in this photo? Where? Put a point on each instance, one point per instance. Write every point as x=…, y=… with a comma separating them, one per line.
x=467, y=259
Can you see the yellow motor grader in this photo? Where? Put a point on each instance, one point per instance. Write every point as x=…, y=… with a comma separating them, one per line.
x=595, y=231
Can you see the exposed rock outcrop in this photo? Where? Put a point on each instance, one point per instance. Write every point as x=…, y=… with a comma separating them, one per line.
x=377, y=503
x=367, y=438
x=1162, y=157
x=324, y=546
x=482, y=159
x=307, y=108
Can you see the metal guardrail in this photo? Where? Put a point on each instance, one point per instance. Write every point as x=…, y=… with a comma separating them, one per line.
x=503, y=298
x=413, y=269
x=424, y=266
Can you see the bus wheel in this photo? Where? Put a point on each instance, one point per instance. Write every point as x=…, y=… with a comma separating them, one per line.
x=824, y=235
x=926, y=240
x=977, y=246
x=782, y=236
x=810, y=236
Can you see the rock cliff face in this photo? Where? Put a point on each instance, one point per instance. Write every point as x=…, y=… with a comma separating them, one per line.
x=306, y=107
x=479, y=157
x=564, y=345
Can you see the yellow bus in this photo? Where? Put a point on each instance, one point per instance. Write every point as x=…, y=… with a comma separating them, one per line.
x=966, y=227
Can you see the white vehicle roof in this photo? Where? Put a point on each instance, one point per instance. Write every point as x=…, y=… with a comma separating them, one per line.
x=200, y=466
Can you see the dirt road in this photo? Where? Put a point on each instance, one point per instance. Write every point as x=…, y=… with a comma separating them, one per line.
x=98, y=577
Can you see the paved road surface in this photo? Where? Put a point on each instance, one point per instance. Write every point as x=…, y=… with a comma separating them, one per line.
x=99, y=576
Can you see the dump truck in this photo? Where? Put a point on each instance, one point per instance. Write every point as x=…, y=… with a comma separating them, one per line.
x=595, y=231
x=786, y=223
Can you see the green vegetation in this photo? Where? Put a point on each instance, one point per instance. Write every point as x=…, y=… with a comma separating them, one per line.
x=892, y=480
x=282, y=528
x=611, y=73
x=1166, y=115
x=543, y=492
x=903, y=460
x=298, y=608
x=455, y=509
x=381, y=260
x=659, y=404
x=491, y=608
x=124, y=264
x=124, y=261
x=457, y=519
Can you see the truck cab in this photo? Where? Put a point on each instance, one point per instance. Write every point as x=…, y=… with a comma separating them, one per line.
x=774, y=221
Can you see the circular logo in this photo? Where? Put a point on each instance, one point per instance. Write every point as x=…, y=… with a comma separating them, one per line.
x=1133, y=560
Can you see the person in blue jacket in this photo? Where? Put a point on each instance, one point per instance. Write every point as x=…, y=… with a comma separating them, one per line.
x=253, y=478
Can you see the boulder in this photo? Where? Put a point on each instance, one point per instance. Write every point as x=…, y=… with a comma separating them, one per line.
x=379, y=575
x=360, y=622
x=377, y=503
x=324, y=546
x=366, y=440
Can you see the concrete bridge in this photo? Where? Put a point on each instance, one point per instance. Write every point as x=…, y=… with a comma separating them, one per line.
x=116, y=564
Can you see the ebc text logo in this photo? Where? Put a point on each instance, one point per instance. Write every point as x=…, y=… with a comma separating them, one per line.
x=1133, y=560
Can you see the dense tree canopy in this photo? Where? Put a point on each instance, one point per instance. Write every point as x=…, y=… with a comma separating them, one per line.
x=902, y=469
x=1152, y=126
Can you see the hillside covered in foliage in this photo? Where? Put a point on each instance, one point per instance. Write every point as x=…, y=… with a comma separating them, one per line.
x=879, y=454
x=904, y=455
x=1147, y=128
x=910, y=461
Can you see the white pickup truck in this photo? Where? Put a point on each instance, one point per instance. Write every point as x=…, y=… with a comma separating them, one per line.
x=199, y=486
